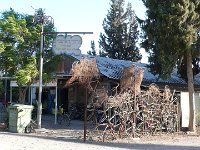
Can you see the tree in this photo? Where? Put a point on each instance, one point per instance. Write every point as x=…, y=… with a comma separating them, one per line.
x=20, y=40
x=93, y=51
x=120, y=33
x=170, y=38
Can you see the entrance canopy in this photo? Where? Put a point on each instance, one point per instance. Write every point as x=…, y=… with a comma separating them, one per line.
x=36, y=84
x=53, y=83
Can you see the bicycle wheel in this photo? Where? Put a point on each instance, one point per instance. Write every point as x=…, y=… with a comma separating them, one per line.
x=66, y=120
x=28, y=128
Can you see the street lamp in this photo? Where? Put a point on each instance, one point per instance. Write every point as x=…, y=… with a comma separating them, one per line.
x=41, y=18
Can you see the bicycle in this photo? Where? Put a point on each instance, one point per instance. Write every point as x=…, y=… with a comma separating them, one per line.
x=30, y=128
x=63, y=118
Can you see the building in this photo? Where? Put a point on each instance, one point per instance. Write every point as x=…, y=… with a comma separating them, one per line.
x=57, y=93
x=111, y=72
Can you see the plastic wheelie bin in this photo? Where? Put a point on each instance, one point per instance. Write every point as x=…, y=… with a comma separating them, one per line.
x=19, y=117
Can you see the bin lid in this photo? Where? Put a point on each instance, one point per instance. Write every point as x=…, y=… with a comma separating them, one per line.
x=20, y=106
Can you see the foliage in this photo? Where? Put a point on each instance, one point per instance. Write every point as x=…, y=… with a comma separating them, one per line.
x=20, y=40
x=93, y=51
x=120, y=33
x=26, y=75
x=171, y=39
x=169, y=30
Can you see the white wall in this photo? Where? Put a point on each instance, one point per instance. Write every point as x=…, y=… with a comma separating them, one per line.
x=185, y=109
x=197, y=108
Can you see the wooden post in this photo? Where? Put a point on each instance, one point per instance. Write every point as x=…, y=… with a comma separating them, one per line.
x=178, y=115
x=85, y=116
x=134, y=118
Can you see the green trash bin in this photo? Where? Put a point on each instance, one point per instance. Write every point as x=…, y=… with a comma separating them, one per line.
x=19, y=117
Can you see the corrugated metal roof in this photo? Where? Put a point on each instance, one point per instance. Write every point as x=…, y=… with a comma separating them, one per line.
x=112, y=68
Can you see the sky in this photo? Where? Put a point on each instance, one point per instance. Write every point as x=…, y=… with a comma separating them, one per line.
x=74, y=15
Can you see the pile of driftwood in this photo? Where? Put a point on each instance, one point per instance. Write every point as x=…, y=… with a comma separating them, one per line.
x=130, y=111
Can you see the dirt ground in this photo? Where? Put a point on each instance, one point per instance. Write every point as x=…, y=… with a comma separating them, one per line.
x=56, y=137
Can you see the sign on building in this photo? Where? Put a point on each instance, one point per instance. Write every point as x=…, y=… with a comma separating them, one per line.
x=67, y=44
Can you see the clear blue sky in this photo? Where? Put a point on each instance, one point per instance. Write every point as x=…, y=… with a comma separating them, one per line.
x=73, y=15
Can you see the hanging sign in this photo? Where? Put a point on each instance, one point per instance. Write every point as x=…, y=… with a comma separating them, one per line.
x=67, y=45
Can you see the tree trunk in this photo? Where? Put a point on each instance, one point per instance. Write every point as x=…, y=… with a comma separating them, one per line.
x=191, y=91
x=22, y=94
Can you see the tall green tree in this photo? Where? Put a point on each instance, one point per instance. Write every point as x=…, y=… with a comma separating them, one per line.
x=120, y=33
x=20, y=40
x=93, y=49
x=170, y=38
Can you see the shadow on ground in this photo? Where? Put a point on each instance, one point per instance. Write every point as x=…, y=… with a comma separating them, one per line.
x=48, y=126
x=48, y=122
x=131, y=146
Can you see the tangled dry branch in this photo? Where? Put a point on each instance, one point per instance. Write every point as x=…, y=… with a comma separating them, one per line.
x=125, y=115
x=131, y=79
x=84, y=71
x=131, y=112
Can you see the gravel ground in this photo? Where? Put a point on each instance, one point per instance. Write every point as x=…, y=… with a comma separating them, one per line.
x=55, y=137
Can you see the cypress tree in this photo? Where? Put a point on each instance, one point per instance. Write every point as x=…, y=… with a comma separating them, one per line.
x=120, y=33
x=93, y=49
x=171, y=39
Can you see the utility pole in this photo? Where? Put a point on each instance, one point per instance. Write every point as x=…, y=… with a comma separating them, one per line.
x=67, y=47
x=42, y=19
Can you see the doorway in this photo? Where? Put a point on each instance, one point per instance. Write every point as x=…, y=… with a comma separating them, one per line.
x=63, y=98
